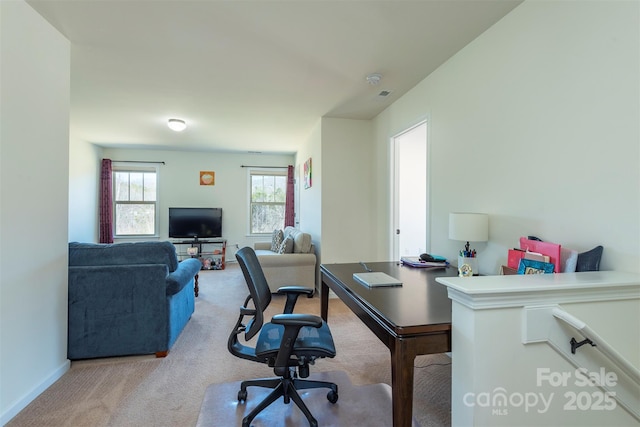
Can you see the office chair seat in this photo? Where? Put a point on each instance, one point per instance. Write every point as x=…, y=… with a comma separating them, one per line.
x=311, y=342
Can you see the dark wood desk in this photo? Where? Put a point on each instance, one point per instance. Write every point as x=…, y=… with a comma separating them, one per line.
x=410, y=320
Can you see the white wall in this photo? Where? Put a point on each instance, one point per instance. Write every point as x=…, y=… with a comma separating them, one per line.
x=310, y=214
x=347, y=195
x=180, y=185
x=34, y=207
x=536, y=124
x=337, y=209
x=84, y=186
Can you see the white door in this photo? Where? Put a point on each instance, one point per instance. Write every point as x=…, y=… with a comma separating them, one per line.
x=410, y=201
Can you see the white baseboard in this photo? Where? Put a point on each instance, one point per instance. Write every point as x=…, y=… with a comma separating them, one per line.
x=22, y=403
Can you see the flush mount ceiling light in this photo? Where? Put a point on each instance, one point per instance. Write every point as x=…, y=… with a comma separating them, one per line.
x=177, y=125
x=374, y=79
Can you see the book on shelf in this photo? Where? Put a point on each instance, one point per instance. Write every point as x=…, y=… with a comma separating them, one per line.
x=419, y=263
x=536, y=256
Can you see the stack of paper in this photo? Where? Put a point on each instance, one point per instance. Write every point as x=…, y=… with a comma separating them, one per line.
x=417, y=262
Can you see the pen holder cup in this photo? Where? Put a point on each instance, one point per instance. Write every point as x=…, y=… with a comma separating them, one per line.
x=471, y=262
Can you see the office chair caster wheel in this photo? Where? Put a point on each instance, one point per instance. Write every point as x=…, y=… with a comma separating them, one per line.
x=242, y=396
x=332, y=396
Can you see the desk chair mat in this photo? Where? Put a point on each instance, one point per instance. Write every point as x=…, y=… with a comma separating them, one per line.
x=368, y=405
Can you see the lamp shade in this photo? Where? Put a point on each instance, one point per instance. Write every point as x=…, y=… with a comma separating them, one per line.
x=469, y=227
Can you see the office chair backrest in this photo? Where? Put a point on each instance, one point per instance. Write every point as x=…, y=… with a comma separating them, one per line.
x=258, y=288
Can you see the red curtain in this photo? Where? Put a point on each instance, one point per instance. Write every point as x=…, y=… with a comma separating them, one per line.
x=289, y=211
x=106, y=203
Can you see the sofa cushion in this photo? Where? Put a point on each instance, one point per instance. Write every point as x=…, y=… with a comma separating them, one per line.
x=276, y=239
x=92, y=254
x=301, y=241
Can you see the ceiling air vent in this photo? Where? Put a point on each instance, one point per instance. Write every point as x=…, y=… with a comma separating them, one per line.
x=384, y=93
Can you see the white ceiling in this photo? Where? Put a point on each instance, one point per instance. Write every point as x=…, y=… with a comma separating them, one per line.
x=249, y=75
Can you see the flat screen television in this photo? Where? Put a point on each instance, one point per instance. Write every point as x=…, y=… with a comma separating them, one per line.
x=195, y=223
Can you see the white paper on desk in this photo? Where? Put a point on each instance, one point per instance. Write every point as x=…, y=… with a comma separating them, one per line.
x=376, y=279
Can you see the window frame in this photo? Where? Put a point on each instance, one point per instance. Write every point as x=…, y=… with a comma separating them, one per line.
x=136, y=168
x=262, y=172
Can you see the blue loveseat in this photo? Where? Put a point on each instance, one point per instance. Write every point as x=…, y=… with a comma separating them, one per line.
x=127, y=298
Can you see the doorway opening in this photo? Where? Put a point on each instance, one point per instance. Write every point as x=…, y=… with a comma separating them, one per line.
x=410, y=192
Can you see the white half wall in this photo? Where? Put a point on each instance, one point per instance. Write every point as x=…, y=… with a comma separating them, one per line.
x=34, y=183
x=535, y=123
x=510, y=368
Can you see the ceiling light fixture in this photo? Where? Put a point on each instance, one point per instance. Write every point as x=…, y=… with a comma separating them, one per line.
x=177, y=125
x=374, y=79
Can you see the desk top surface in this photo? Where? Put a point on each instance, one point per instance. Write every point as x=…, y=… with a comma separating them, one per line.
x=419, y=301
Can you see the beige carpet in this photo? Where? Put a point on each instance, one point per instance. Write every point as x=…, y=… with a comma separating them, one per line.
x=145, y=391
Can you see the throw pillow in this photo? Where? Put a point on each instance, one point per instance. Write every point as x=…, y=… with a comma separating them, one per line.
x=276, y=240
x=302, y=243
x=286, y=247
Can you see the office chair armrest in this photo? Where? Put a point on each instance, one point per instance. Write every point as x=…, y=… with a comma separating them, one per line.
x=292, y=324
x=292, y=293
x=296, y=289
x=298, y=320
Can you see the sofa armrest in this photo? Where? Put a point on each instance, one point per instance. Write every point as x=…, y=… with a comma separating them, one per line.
x=178, y=279
x=262, y=246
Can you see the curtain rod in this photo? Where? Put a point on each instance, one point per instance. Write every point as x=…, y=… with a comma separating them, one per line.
x=264, y=167
x=136, y=161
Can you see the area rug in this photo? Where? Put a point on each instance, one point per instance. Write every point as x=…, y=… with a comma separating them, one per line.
x=365, y=405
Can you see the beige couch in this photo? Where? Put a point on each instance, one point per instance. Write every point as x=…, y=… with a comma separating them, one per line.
x=297, y=267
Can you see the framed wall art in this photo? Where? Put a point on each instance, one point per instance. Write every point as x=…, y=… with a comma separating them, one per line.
x=207, y=178
x=307, y=173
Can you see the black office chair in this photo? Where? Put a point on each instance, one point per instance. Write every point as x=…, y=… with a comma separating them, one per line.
x=289, y=343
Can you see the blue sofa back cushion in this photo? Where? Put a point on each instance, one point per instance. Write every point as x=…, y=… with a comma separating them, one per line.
x=92, y=254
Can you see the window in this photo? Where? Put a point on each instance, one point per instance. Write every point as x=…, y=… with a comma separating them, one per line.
x=135, y=199
x=268, y=191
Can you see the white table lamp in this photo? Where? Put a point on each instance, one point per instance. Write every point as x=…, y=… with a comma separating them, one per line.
x=468, y=227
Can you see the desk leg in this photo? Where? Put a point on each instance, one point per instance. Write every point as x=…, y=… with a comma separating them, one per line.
x=324, y=301
x=402, y=360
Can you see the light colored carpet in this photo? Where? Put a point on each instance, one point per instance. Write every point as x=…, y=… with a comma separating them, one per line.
x=145, y=391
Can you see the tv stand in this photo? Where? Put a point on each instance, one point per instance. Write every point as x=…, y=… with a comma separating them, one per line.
x=210, y=252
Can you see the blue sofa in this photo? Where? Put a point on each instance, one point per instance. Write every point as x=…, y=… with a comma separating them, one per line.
x=127, y=298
